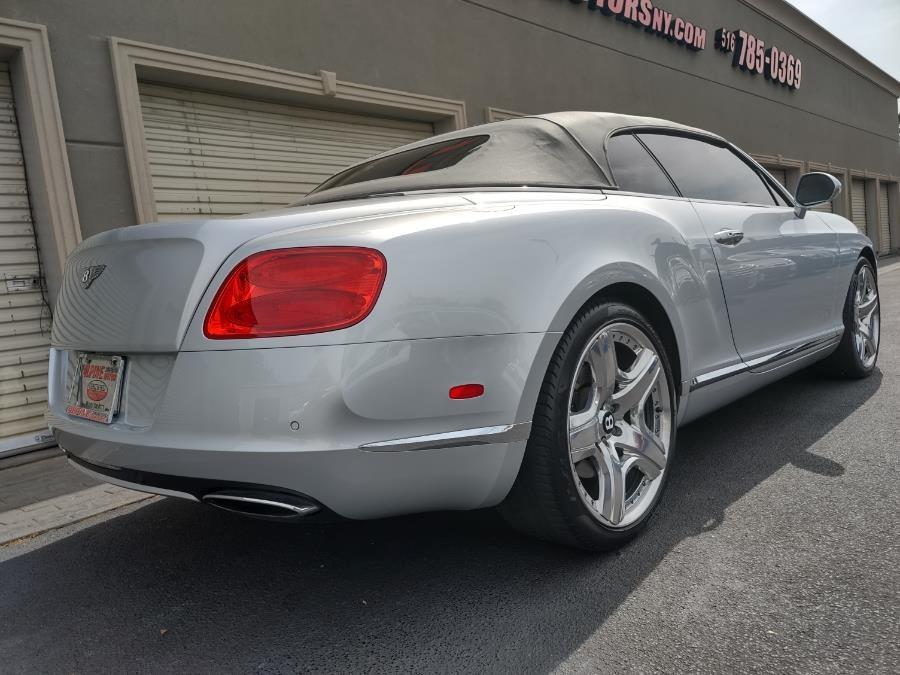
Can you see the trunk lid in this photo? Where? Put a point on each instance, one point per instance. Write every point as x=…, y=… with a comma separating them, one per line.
x=135, y=289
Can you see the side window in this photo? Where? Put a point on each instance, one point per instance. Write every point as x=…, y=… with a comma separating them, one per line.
x=703, y=170
x=634, y=170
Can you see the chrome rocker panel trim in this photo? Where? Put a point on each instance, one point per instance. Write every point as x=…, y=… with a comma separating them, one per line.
x=781, y=357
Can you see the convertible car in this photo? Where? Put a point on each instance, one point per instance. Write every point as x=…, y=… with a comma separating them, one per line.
x=519, y=314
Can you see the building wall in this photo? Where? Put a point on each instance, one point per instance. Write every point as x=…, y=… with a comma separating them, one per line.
x=521, y=55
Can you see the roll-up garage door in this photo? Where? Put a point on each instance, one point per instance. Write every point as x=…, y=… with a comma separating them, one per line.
x=222, y=155
x=884, y=219
x=24, y=315
x=858, y=204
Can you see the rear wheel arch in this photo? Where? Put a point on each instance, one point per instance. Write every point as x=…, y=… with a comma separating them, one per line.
x=626, y=291
x=632, y=286
x=644, y=300
x=869, y=255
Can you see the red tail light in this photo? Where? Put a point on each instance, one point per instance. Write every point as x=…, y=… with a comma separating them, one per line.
x=296, y=291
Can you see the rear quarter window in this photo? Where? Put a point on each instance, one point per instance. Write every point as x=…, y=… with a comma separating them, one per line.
x=634, y=169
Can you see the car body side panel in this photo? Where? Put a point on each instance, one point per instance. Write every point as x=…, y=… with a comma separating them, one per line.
x=849, y=247
x=678, y=267
x=479, y=292
x=518, y=263
x=778, y=280
x=154, y=275
x=851, y=242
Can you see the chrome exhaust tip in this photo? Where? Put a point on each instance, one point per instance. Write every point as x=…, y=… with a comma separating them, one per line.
x=267, y=506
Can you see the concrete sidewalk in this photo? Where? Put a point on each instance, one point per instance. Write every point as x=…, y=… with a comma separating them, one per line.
x=42, y=495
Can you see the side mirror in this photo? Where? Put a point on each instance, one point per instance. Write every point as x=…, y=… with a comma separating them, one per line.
x=814, y=189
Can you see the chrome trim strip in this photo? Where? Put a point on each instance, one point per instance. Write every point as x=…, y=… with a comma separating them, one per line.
x=507, y=433
x=103, y=478
x=717, y=376
x=297, y=510
x=799, y=351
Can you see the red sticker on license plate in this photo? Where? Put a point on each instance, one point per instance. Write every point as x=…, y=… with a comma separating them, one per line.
x=94, y=390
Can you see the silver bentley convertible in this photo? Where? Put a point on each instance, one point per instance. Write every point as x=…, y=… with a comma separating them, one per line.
x=519, y=314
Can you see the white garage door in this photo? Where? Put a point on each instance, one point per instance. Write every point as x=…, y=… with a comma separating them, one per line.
x=223, y=155
x=24, y=316
x=884, y=219
x=858, y=205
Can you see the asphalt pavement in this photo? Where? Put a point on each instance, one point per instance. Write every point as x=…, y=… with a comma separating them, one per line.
x=775, y=549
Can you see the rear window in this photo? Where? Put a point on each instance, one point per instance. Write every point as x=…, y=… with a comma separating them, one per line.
x=408, y=162
x=526, y=152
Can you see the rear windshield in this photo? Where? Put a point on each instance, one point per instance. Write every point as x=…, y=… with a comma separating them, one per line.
x=418, y=160
x=525, y=152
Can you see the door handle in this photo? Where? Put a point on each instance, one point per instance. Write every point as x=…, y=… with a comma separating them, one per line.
x=729, y=237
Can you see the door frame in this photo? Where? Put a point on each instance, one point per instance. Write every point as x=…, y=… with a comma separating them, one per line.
x=133, y=61
x=26, y=47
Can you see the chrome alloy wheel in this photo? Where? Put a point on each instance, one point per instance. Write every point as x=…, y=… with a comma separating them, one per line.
x=619, y=424
x=866, y=317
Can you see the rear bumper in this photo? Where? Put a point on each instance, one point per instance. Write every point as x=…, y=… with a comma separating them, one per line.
x=352, y=483
x=365, y=430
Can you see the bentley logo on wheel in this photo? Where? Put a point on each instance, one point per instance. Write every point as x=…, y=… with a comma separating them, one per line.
x=609, y=423
x=90, y=274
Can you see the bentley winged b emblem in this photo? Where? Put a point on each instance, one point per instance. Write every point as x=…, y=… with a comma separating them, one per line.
x=90, y=274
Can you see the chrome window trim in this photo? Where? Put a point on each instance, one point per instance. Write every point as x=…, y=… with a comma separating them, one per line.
x=650, y=195
x=751, y=204
x=709, y=139
x=627, y=193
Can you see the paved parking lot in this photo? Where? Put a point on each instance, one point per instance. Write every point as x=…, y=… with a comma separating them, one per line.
x=775, y=549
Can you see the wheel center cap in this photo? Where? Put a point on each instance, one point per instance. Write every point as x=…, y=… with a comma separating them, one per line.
x=607, y=422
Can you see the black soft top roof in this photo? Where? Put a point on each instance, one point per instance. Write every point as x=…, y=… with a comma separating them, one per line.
x=564, y=149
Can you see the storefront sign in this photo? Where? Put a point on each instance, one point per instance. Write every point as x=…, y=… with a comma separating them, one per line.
x=643, y=14
x=750, y=52
x=751, y=55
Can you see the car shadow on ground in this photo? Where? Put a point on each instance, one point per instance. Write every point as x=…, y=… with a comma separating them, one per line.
x=174, y=586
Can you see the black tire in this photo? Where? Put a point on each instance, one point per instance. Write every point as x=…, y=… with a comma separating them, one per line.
x=846, y=361
x=544, y=501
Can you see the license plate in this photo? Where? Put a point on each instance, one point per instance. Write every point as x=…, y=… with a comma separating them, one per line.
x=94, y=392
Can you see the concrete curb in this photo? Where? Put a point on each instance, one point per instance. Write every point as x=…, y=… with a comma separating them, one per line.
x=51, y=514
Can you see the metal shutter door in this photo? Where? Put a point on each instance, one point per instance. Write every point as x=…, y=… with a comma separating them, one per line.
x=24, y=316
x=223, y=155
x=858, y=204
x=884, y=219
